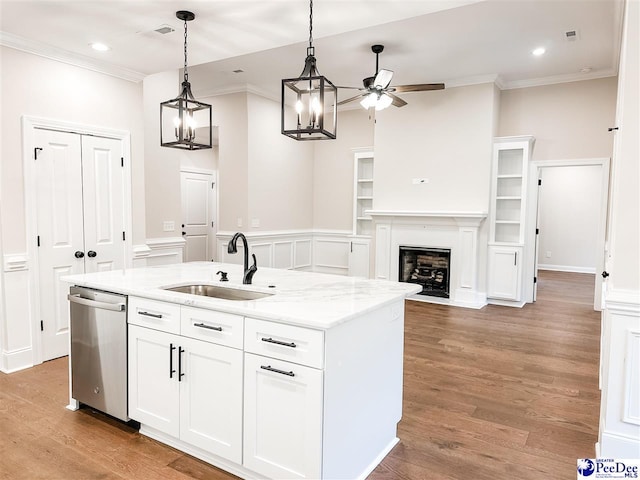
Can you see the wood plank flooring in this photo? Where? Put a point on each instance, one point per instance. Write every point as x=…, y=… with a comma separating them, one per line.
x=498, y=393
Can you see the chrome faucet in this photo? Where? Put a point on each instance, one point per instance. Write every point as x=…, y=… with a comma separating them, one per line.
x=248, y=270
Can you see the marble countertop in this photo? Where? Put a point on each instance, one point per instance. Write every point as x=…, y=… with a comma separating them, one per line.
x=300, y=298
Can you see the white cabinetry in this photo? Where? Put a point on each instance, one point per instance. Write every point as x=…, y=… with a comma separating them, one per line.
x=183, y=387
x=511, y=157
x=263, y=399
x=505, y=272
x=283, y=418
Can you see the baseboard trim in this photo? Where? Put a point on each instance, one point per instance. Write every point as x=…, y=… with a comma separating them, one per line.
x=16, y=360
x=566, y=268
x=618, y=446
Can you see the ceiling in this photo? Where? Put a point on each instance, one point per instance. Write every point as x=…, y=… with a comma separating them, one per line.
x=453, y=41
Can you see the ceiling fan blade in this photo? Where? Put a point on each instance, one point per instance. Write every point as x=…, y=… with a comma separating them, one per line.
x=352, y=99
x=396, y=101
x=349, y=88
x=419, y=87
x=383, y=79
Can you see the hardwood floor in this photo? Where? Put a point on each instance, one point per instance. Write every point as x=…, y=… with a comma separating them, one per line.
x=497, y=393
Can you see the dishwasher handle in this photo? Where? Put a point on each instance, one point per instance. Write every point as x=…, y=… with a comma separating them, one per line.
x=116, y=307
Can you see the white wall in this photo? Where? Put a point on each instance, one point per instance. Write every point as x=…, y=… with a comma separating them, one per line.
x=333, y=170
x=34, y=85
x=280, y=172
x=568, y=120
x=444, y=136
x=625, y=197
x=569, y=212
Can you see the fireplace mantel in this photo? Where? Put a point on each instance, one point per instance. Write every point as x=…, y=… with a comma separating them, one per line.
x=455, y=230
x=434, y=217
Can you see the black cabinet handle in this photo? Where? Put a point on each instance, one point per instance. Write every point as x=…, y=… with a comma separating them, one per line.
x=91, y=253
x=180, y=374
x=78, y=254
x=171, y=370
x=275, y=370
x=147, y=314
x=605, y=274
x=515, y=258
x=208, y=327
x=278, y=342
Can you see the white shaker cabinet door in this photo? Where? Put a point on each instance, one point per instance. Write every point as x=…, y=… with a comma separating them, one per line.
x=211, y=398
x=154, y=393
x=505, y=272
x=283, y=418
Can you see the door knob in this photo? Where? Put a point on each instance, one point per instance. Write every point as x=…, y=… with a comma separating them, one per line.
x=91, y=253
x=79, y=254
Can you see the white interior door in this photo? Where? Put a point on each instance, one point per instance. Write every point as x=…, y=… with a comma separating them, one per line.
x=80, y=221
x=60, y=232
x=198, y=215
x=103, y=200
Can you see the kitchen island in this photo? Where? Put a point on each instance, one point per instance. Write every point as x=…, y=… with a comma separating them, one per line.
x=304, y=382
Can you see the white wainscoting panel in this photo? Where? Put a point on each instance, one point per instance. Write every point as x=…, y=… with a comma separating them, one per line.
x=263, y=253
x=140, y=254
x=283, y=255
x=290, y=249
x=17, y=350
x=165, y=251
x=631, y=409
x=620, y=403
x=331, y=255
x=303, y=254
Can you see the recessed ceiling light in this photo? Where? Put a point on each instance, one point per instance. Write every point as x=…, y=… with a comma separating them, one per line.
x=100, y=47
x=539, y=51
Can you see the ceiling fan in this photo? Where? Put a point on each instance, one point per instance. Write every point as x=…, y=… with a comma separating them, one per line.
x=377, y=91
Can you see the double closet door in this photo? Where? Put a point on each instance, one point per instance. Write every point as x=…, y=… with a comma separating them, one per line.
x=80, y=201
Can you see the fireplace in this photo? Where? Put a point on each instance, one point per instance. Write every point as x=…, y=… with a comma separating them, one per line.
x=428, y=267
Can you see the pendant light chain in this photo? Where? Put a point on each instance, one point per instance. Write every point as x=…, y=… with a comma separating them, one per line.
x=186, y=73
x=310, y=23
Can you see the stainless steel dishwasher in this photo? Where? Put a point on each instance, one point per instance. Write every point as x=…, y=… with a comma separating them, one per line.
x=99, y=350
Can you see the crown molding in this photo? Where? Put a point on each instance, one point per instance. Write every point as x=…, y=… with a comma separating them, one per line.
x=566, y=78
x=236, y=88
x=53, y=53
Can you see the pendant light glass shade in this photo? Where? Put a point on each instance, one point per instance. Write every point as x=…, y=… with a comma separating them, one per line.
x=185, y=122
x=309, y=102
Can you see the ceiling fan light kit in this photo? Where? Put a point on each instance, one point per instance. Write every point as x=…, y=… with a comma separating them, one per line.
x=309, y=102
x=185, y=122
x=378, y=92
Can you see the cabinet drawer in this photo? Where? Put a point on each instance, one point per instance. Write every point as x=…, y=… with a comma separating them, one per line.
x=153, y=314
x=215, y=327
x=286, y=342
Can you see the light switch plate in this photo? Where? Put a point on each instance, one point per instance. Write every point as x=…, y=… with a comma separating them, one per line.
x=168, y=226
x=255, y=222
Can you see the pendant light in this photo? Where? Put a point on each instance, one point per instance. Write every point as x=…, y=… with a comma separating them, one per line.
x=308, y=110
x=185, y=123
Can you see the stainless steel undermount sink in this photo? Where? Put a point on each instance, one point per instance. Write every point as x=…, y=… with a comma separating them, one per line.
x=225, y=293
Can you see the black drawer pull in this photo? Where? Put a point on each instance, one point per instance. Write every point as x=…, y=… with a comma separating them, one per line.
x=278, y=342
x=171, y=369
x=275, y=370
x=180, y=374
x=147, y=314
x=208, y=327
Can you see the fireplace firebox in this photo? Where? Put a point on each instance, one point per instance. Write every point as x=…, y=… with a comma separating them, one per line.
x=428, y=267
